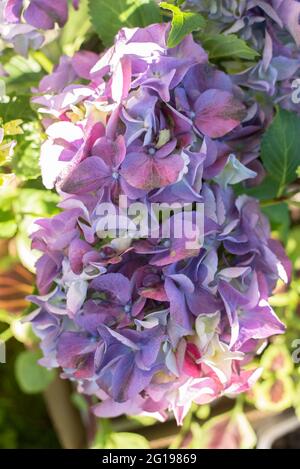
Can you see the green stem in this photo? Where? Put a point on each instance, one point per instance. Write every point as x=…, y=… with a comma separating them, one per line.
x=42, y=59
x=279, y=200
x=239, y=404
x=6, y=335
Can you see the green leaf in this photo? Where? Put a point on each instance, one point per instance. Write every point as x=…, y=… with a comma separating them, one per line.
x=265, y=191
x=102, y=435
x=293, y=246
x=74, y=32
x=142, y=420
x=233, y=67
x=230, y=430
x=106, y=439
x=280, y=149
x=183, y=23
x=17, y=108
x=36, y=202
x=108, y=17
x=31, y=377
x=124, y=440
x=274, y=394
x=220, y=46
x=25, y=161
x=277, y=360
x=8, y=225
x=279, y=217
x=23, y=74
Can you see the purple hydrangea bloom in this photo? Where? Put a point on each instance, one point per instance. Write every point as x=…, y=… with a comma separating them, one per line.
x=272, y=27
x=150, y=324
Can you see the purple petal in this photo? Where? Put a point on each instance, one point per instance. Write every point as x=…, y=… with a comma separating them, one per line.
x=289, y=13
x=43, y=14
x=116, y=284
x=217, y=113
x=111, y=152
x=83, y=62
x=13, y=10
x=90, y=175
x=260, y=323
x=145, y=172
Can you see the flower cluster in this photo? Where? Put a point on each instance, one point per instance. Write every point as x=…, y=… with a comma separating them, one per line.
x=153, y=324
x=21, y=22
x=272, y=28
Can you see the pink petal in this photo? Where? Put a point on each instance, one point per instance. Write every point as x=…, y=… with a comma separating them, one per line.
x=217, y=113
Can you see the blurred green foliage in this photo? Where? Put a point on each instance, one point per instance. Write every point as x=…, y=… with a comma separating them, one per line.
x=24, y=422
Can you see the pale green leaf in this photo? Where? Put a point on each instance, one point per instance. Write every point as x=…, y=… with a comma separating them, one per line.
x=221, y=46
x=183, y=23
x=109, y=17
x=32, y=377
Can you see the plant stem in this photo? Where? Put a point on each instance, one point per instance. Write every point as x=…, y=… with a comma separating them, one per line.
x=279, y=200
x=42, y=59
x=4, y=317
x=6, y=335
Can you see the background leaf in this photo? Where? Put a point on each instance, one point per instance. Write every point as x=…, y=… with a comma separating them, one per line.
x=182, y=23
x=124, y=440
x=76, y=29
x=106, y=439
x=8, y=225
x=228, y=431
x=108, y=17
x=280, y=149
x=17, y=108
x=25, y=161
x=23, y=74
x=32, y=377
x=220, y=46
x=279, y=218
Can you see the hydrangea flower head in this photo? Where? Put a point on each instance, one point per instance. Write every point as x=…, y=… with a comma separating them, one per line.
x=150, y=324
x=272, y=28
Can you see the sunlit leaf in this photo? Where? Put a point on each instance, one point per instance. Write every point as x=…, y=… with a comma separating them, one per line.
x=221, y=46
x=183, y=23
x=108, y=17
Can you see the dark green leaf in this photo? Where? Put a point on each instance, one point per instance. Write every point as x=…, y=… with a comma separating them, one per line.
x=279, y=217
x=17, y=108
x=183, y=23
x=265, y=191
x=280, y=149
x=109, y=16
